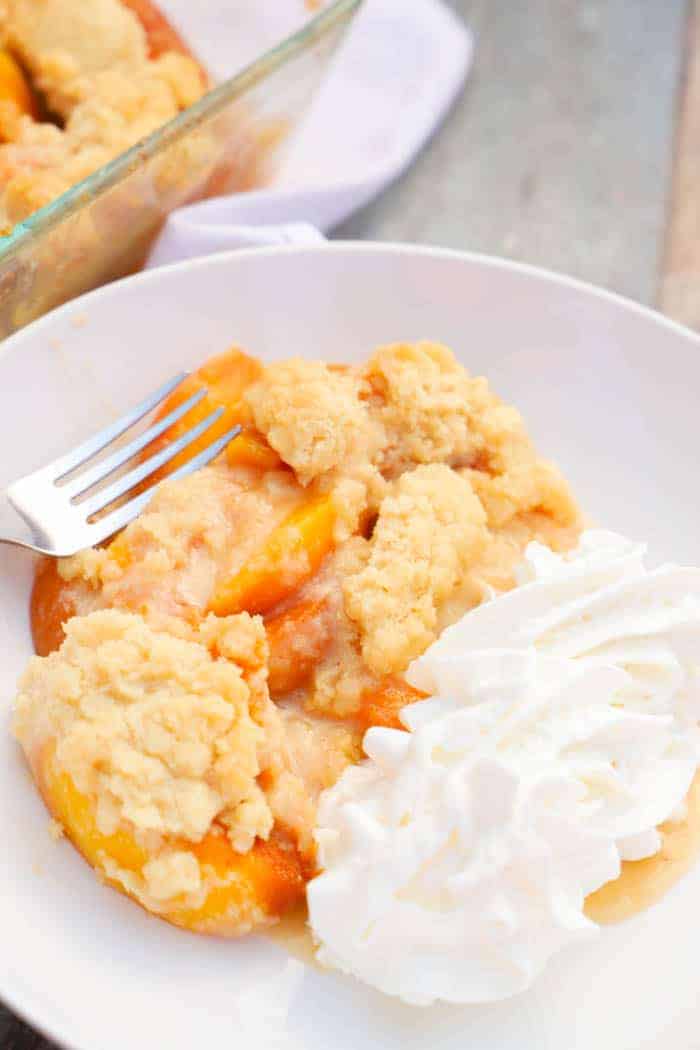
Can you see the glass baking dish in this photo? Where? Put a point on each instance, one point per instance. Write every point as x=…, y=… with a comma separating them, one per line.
x=231, y=139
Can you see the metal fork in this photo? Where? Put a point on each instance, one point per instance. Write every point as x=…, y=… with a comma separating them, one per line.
x=60, y=516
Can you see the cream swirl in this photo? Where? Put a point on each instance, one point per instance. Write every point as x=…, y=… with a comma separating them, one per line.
x=561, y=733
x=601, y=605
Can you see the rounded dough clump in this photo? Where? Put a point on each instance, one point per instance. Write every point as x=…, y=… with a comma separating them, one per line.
x=312, y=416
x=159, y=736
x=430, y=531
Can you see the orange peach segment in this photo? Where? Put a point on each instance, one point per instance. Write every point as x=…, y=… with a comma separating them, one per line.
x=75, y=812
x=250, y=449
x=297, y=639
x=269, y=875
x=380, y=705
x=200, y=412
x=246, y=889
x=291, y=555
x=50, y=607
x=15, y=88
x=226, y=377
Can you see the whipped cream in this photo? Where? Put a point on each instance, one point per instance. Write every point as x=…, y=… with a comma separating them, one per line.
x=562, y=730
x=598, y=604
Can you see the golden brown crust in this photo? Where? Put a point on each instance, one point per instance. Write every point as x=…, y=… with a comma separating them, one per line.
x=430, y=533
x=313, y=417
x=173, y=742
x=423, y=399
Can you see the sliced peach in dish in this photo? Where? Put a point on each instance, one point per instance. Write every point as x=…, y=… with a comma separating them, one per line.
x=226, y=377
x=381, y=704
x=242, y=889
x=291, y=555
x=15, y=87
x=270, y=876
x=229, y=374
x=298, y=638
x=50, y=607
x=250, y=449
x=52, y=602
x=75, y=813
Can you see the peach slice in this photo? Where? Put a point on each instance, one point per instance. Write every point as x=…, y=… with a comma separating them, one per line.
x=250, y=449
x=245, y=889
x=15, y=88
x=226, y=377
x=50, y=607
x=229, y=374
x=297, y=638
x=380, y=704
x=270, y=877
x=291, y=555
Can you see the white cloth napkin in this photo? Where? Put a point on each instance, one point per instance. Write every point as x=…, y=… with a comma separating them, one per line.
x=390, y=85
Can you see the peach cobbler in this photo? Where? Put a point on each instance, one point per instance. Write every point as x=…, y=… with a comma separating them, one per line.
x=203, y=677
x=80, y=82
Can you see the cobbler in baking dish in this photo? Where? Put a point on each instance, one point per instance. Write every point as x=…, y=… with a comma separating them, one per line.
x=205, y=676
x=80, y=82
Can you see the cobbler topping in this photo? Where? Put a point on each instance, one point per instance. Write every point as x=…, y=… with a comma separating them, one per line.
x=425, y=403
x=162, y=734
x=313, y=416
x=430, y=532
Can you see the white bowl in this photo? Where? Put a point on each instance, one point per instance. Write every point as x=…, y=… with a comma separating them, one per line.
x=610, y=390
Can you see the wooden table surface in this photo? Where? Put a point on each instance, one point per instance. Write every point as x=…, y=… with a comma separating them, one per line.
x=561, y=153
